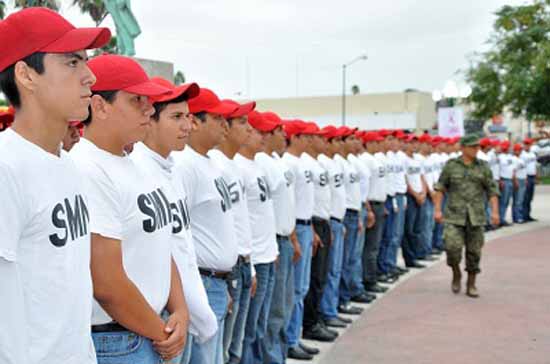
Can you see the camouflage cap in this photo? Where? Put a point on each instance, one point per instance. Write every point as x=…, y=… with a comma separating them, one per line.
x=470, y=140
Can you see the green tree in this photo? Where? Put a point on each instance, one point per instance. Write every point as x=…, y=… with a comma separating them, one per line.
x=355, y=90
x=111, y=47
x=52, y=4
x=179, y=78
x=514, y=74
x=2, y=9
x=94, y=8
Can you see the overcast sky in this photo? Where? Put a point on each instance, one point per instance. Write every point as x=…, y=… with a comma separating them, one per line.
x=281, y=48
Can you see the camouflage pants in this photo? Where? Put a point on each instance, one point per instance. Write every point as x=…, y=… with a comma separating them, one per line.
x=456, y=237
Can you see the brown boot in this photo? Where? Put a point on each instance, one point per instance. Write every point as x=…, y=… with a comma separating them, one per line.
x=471, y=290
x=457, y=276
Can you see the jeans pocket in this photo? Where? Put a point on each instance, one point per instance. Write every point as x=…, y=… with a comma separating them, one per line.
x=110, y=344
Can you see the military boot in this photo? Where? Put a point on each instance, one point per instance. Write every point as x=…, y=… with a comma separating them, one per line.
x=471, y=289
x=457, y=276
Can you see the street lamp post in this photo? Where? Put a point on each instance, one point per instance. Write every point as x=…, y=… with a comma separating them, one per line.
x=362, y=57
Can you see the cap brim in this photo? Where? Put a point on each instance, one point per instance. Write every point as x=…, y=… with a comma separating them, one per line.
x=148, y=88
x=79, y=39
x=222, y=109
x=191, y=90
x=243, y=110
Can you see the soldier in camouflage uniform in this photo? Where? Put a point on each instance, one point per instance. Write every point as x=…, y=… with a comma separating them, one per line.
x=466, y=181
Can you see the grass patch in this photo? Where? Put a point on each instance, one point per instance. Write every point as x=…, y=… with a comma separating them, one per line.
x=545, y=180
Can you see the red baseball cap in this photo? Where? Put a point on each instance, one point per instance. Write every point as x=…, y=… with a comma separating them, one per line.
x=372, y=136
x=518, y=147
x=384, y=132
x=190, y=89
x=485, y=142
x=345, y=131
x=272, y=117
x=528, y=141
x=258, y=121
x=120, y=73
x=425, y=138
x=39, y=29
x=495, y=142
x=241, y=109
x=505, y=144
x=294, y=127
x=208, y=101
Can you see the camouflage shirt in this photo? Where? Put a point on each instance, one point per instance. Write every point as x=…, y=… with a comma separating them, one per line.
x=466, y=187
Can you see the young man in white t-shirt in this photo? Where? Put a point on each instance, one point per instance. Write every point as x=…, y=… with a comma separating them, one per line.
x=281, y=181
x=242, y=281
x=330, y=299
x=530, y=159
x=298, y=142
x=130, y=222
x=171, y=124
x=507, y=176
x=210, y=207
x=314, y=326
x=520, y=184
x=45, y=279
x=263, y=238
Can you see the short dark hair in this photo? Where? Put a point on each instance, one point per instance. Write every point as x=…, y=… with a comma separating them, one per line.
x=108, y=96
x=7, y=77
x=160, y=106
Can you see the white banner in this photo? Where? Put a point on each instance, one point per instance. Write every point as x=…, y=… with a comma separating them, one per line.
x=450, y=121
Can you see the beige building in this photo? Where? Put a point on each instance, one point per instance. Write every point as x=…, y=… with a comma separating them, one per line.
x=397, y=110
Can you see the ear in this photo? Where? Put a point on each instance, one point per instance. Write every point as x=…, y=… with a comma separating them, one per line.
x=100, y=107
x=195, y=123
x=25, y=76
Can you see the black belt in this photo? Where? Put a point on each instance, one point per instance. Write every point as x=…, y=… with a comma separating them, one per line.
x=244, y=258
x=351, y=211
x=110, y=327
x=506, y=179
x=303, y=222
x=213, y=274
x=376, y=203
x=401, y=194
x=318, y=219
x=337, y=220
x=282, y=236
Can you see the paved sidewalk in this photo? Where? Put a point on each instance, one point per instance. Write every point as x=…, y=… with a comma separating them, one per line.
x=420, y=321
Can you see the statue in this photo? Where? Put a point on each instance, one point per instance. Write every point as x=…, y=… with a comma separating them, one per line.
x=127, y=27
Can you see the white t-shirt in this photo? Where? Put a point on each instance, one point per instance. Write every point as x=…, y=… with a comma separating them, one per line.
x=427, y=165
x=303, y=192
x=232, y=175
x=482, y=156
x=435, y=160
x=377, y=185
x=128, y=204
x=321, y=187
x=202, y=320
x=398, y=161
x=520, y=167
x=530, y=159
x=494, y=164
x=281, y=179
x=364, y=175
x=351, y=183
x=389, y=171
x=337, y=187
x=260, y=209
x=45, y=311
x=414, y=172
x=506, y=165
x=210, y=206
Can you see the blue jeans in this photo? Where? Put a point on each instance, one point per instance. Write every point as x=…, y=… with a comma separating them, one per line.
x=437, y=239
x=529, y=194
x=329, y=301
x=211, y=351
x=233, y=334
x=386, y=237
x=274, y=346
x=258, y=312
x=351, y=222
x=504, y=201
x=124, y=347
x=425, y=227
x=411, y=239
x=302, y=270
x=519, y=195
x=357, y=286
x=398, y=232
x=185, y=357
